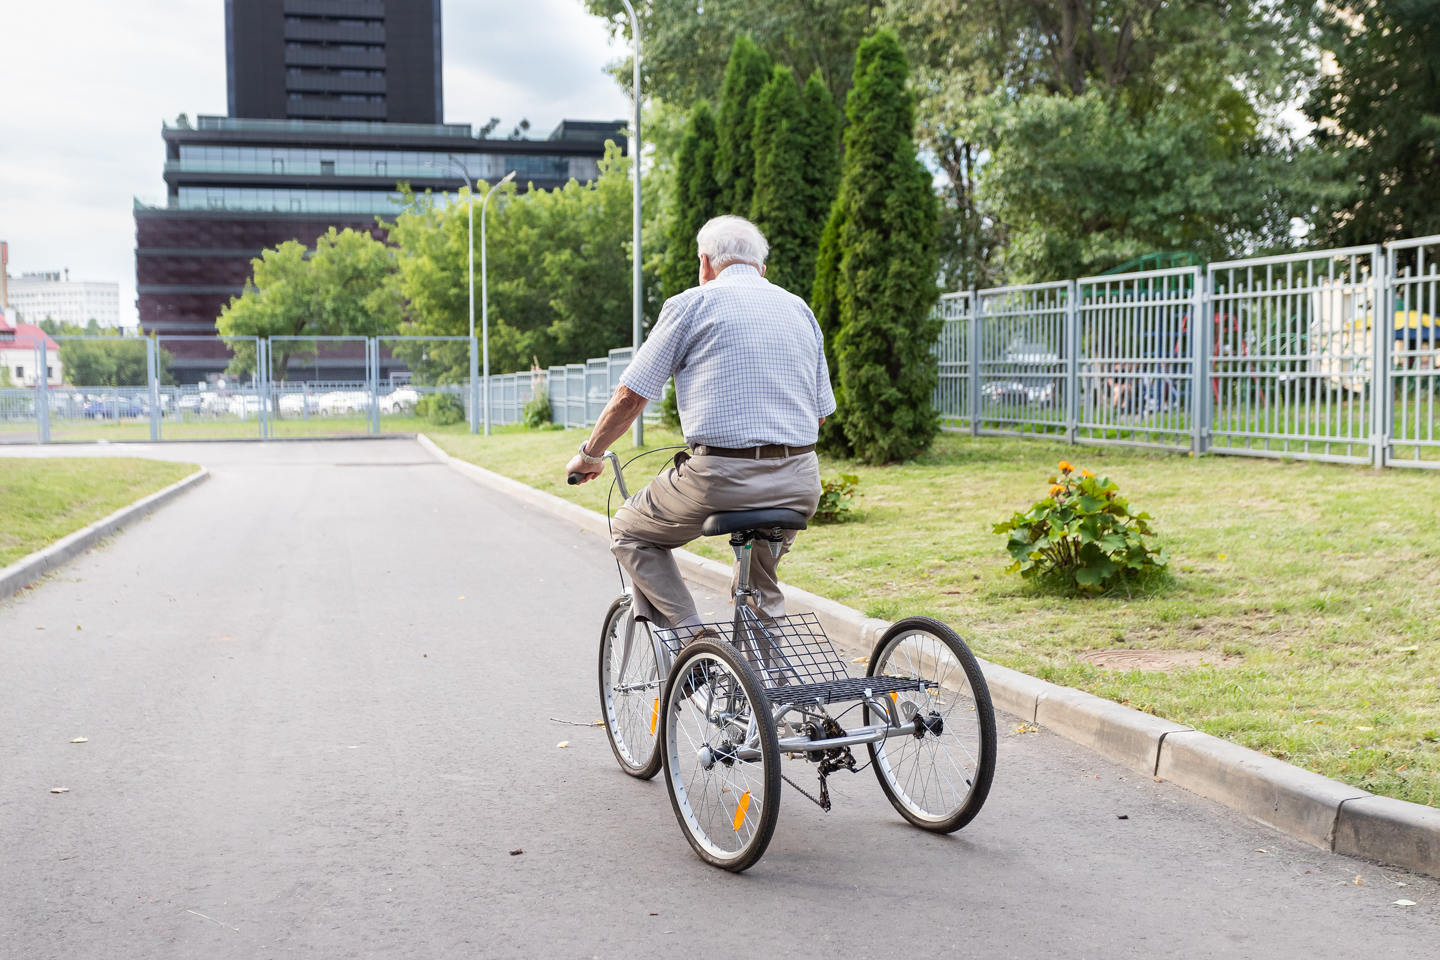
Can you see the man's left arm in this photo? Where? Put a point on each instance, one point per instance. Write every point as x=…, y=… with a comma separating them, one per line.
x=624, y=406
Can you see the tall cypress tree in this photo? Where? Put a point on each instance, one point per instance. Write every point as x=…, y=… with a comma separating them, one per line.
x=777, y=206
x=697, y=199
x=884, y=253
x=820, y=134
x=746, y=73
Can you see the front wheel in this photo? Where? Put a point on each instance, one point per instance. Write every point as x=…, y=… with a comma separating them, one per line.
x=937, y=779
x=722, y=756
x=630, y=691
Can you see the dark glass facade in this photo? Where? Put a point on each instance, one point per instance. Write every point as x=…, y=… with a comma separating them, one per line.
x=334, y=60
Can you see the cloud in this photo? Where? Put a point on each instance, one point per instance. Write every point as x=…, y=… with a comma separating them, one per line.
x=88, y=83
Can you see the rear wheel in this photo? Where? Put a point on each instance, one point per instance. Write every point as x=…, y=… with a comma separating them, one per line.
x=630, y=692
x=722, y=757
x=939, y=779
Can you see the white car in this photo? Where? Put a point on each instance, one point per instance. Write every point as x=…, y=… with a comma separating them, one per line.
x=401, y=400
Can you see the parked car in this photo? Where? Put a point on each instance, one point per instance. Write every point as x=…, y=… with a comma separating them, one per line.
x=401, y=400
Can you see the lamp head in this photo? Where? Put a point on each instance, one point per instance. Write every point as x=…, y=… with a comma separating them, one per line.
x=507, y=178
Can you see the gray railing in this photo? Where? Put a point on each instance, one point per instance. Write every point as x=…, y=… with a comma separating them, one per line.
x=1329, y=355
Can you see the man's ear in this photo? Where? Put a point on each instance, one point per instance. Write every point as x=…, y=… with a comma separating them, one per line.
x=762, y=269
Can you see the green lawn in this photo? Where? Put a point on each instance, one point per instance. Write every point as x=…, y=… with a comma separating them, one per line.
x=43, y=500
x=225, y=429
x=1318, y=584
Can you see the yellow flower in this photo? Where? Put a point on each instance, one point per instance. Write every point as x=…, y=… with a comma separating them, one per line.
x=1065, y=466
x=1056, y=489
x=1087, y=474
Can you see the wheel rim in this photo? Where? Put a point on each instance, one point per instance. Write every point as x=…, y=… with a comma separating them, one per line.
x=934, y=776
x=721, y=798
x=632, y=701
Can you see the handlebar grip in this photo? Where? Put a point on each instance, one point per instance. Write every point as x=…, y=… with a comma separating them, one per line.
x=574, y=478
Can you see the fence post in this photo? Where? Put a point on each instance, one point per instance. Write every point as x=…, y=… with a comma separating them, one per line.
x=262, y=367
x=1071, y=346
x=42, y=393
x=977, y=310
x=1382, y=405
x=474, y=392
x=1199, y=360
x=152, y=374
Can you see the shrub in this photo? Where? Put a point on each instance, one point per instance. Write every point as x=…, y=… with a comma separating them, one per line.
x=1082, y=536
x=537, y=414
x=441, y=409
x=835, y=499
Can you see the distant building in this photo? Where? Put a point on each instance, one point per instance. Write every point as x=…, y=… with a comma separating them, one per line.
x=20, y=354
x=53, y=295
x=332, y=104
x=236, y=187
x=334, y=60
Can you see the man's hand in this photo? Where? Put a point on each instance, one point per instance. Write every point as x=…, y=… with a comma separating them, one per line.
x=587, y=471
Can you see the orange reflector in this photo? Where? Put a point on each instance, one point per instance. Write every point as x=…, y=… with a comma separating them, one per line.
x=894, y=697
x=654, y=716
x=740, y=810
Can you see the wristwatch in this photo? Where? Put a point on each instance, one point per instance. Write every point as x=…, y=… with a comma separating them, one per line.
x=584, y=455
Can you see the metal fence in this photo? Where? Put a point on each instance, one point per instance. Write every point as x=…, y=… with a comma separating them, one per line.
x=1329, y=355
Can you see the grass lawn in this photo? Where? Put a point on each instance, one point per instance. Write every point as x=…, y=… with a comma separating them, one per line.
x=43, y=500
x=1314, y=588
x=225, y=429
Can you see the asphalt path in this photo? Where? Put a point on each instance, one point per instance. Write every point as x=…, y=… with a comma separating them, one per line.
x=321, y=695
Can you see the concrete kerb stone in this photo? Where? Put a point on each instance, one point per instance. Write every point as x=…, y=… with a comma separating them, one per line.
x=1321, y=811
x=27, y=570
x=1302, y=804
x=1112, y=730
x=1391, y=831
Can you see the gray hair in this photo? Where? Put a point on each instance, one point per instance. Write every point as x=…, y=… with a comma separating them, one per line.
x=728, y=239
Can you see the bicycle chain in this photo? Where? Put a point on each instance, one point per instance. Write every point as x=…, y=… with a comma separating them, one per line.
x=822, y=804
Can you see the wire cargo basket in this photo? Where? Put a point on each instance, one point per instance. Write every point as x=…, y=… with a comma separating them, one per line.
x=797, y=662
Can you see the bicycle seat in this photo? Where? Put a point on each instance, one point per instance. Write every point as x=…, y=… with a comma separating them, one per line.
x=733, y=520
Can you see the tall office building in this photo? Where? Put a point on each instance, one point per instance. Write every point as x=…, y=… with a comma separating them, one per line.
x=300, y=154
x=334, y=60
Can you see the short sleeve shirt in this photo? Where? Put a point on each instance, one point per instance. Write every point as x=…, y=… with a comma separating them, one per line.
x=748, y=360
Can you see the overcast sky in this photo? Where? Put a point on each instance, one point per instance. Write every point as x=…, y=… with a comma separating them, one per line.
x=85, y=84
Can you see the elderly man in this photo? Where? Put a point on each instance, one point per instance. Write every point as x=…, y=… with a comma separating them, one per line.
x=752, y=386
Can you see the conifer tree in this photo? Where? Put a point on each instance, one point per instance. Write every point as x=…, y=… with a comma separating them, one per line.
x=746, y=73
x=820, y=163
x=878, y=267
x=777, y=206
x=697, y=199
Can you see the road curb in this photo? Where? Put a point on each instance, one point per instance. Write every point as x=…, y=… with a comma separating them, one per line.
x=1326, y=813
x=27, y=570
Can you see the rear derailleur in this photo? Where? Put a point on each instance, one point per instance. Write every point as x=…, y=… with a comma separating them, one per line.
x=831, y=760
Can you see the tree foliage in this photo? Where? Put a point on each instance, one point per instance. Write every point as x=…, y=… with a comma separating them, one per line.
x=820, y=121
x=687, y=44
x=113, y=360
x=1378, y=114
x=559, y=273
x=879, y=270
x=986, y=69
x=776, y=207
x=745, y=75
x=696, y=199
x=344, y=287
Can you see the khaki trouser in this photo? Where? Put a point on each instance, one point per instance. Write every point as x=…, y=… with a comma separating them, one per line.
x=668, y=514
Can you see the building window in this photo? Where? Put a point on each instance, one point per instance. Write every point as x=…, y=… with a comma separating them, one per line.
x=49, y=373
x=327, y=167
x=19, y=372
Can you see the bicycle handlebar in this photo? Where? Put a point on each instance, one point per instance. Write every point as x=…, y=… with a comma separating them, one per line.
x=610, y=455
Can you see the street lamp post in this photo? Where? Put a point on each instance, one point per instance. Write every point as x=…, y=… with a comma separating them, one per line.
x=637, y=281
x=485, y=303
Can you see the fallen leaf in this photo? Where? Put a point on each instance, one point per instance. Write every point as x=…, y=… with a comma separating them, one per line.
x=461, y=597
x=1027, y=728
x=59, y=789
x=79, y=739
x=1407, y=649
x=516, y=852
x=1404, y=903
x=1122, y=816
x=563, y=744
x=77, y=626
x=861, y=660
x=1359, y=881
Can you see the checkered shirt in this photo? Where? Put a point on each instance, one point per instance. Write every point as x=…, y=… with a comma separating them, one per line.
x=748, y=360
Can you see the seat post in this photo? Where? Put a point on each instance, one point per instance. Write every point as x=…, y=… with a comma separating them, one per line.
x=740, y=543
